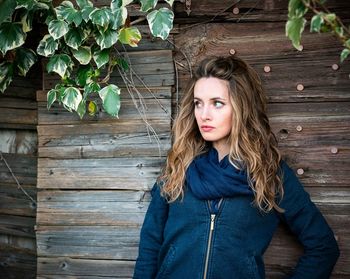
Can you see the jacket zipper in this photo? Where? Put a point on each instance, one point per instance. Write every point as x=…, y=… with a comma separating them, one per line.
x=212, y=223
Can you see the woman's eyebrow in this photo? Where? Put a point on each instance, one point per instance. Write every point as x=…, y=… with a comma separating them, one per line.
x=214, y=98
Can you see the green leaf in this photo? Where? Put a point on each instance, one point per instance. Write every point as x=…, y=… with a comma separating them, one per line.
x=91, y=87
x=296, y=9
x=6, y=74
x=110, y=96
x=92, y=108
x=160, y=22
x=347, y=43
x=81, y=109
x=7, y=7
x=147, y=5
x=316, y=23
x=86, y=11
x=344, y=54
x=170, y=2
x=84, y=3
x=47, y=46
x=116, y=4
x=71, y=98
x=331, y=17
x=83, y=54
x=101, y=57
x=118, y=17
x=60, y=64
x=107, y=38
x=84, y=75
x=67, y=12
x=11, y=36
x=27, y=21
x=130, y=36
x=75, y=37
x=339, y=30
x=294, y=28
x=101, y=17
x=51, y=97
x=122, y=63
x=25, y=59
x=58, y=28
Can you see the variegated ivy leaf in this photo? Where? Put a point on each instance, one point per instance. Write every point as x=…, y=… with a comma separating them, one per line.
x=75, y=37
x=47, y=46
x=170, y=2
x=67, y=12
x=344, y=54
x=51, y=97
x=118, y=18
x=84, y=3
x=101, y=17
x=83, y=55
x=294, y=28
x=72, y=98
x=11, y=36
x=27, y=4
x=27, y=21
x=86, y=11
x=116, y=4
x=25, y=59
x=106, y=39
x=6, y=74
x=147, y=5
x=130, y=36
x=316, y=23
x=91, y=87
x=101, y=57
x=81, y=110
x=7, y=7
x=58, y=28
x=296, y=9
x=84, y=74
x=160, y=22
x=60, y=64
x=110, y=96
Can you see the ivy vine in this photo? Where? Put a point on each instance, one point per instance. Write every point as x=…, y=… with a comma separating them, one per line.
x=81, y=46
x=323, y=21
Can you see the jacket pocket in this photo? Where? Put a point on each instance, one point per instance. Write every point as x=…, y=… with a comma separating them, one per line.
x=168, y=259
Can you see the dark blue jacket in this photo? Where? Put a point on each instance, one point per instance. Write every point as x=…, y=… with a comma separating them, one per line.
x=185, y=239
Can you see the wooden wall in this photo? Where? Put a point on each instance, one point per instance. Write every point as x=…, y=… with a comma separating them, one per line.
x=18, y=145
x=312, y=125
x=94, y=174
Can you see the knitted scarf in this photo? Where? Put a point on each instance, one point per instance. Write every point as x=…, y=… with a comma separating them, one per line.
x=210, y=179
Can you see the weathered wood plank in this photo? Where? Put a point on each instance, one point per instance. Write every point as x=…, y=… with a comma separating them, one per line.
x=109, y=173
x=14, y=202
x=64, y=267
x=16, y=116
x=104, y=146
x=17, y=263
x=17, y=225
x=249, y=11
x=23, y=167
x=17, y=141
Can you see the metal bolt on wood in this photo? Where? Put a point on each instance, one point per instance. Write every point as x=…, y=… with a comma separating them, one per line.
x=300, y=87
x=235, y=11
x=267, y=69
x=232, y=51
x=334, y=150
x=299, y=128
x=335, y=67
x=300, y=171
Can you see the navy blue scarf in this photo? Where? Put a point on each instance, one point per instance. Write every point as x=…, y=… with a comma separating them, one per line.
x=210, y=179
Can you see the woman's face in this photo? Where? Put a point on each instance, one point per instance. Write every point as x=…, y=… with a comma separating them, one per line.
x=213, y=110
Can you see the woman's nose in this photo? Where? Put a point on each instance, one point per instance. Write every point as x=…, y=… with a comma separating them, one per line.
x=206, y=114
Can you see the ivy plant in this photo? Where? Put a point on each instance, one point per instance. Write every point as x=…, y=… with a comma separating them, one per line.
x=80, y=46
x=322, y=21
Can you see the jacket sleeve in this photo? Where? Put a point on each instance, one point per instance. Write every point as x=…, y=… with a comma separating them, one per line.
x=307, y=223
x=151, y=237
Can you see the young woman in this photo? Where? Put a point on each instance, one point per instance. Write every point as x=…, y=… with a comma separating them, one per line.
x=224, y=188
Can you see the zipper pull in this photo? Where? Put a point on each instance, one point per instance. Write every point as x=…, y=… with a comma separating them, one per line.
x=212, y=217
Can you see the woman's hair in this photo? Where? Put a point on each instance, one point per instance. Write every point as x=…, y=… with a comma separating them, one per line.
x=251, y=140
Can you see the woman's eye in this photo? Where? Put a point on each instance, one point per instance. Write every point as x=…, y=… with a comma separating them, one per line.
x=197, y=104
x=218, y=104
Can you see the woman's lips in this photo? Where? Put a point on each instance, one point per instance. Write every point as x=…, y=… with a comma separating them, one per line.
x=207, y=128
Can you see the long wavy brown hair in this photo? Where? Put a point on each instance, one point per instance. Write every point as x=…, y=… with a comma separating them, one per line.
x=251, y=140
